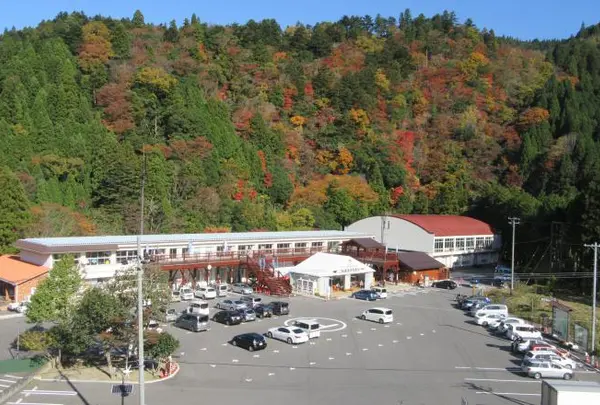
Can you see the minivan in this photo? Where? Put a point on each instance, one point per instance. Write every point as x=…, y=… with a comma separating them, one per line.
x=381, y=315
x=193, y=322
x=280, y=307
x=198, y=307
x=251, y=300
x=489, y=309
x=186, y=294
x=515, y=331
x=310, y=326
x=222, y=290
x=381, y=292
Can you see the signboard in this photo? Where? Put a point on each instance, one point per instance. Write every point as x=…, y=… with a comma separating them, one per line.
x=560, y=320
x=581, y=337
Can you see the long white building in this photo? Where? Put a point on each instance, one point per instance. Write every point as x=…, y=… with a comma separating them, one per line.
x=100, y=257
x=455, y=241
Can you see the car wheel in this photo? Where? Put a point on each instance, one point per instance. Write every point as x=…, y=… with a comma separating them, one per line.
x=569, y=366
x=537, y=376
x=234, y=342
x=270, y=335
x=485, y=324
x=250, y=348
x=228, y=323
x=289, y=340
x=381, y=321
x=364, y=318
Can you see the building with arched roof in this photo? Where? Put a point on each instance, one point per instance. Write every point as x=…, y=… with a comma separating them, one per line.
x=455, y=241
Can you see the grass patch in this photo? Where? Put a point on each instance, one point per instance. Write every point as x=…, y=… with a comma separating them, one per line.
x=532, y=304
x=21, y=365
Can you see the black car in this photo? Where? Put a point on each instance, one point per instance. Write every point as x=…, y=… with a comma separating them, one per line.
x=280, y=307
x=228, y=317
x=264, y=311
x=446, y=284
x=250, y=341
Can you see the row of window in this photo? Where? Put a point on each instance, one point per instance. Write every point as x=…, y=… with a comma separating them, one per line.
x=127, y=256
x=462, y=244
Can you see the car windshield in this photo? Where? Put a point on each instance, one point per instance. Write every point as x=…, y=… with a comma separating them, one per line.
x=388, y=312
x=238, y=302
x=297, y=330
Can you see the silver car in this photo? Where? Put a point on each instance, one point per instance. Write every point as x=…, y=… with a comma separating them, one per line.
x=232, y=305
x=171, y=315
x=546, y=369
x=241, y=288
x=248, y=315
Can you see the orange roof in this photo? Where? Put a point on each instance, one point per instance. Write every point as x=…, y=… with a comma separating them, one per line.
x=449, y=225
x=15, y=271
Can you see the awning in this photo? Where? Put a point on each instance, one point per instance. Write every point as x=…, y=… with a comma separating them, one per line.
x=331, y=265
x=14, y=271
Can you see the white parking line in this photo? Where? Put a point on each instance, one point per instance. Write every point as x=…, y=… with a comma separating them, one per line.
x=13, y=376
x=499, y=380
x=312, y=363
x=8, y=381
x=508, y=393
x=490, y=368
x=4, y=386
x=35, y=391
x=30, y=403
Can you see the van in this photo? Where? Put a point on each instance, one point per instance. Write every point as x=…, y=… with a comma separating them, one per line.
x=193, y=322
x=198, y=307
x=310, y=326
x=497, y=309
x=251, y=300
x=381, y=315
x=186, y=294
x=523, y=331
x=222, y=290
x=381, y=292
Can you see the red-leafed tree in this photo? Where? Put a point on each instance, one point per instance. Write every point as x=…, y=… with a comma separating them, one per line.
x=118, y=115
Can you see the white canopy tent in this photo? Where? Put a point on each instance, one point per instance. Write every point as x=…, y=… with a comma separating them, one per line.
x=315, y=275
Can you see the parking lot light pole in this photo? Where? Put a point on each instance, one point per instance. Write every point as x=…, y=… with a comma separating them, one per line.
x=140, y=297
x=514, y=221
x=594, y=246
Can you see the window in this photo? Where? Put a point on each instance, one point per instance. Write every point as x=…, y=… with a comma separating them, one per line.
x=96, y=258
x=185, y=251
x=173, y=253
x=479, y=243
x=58, y=256
x=317, y=246
x=126, y=256
x=243, y=248
x=489, y=242
x=332, y=246
x=266, y=248
x=449, y=244
x=283, y=246
x=220, y=249
x=301, y=245
x=460, y=243
x=470, y=243
x=439, y=245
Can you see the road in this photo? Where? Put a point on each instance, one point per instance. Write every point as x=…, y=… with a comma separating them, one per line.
x=430, y=354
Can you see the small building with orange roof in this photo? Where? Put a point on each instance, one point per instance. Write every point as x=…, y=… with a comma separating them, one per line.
x=19, y=279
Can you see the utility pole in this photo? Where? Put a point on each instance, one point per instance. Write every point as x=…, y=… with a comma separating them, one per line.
x=140, y=279
x=514, y=221
x=594, y=246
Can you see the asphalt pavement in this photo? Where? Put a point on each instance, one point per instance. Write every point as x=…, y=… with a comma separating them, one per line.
x=431, y=354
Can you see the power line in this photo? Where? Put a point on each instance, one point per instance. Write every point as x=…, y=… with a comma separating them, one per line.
x=514, y=221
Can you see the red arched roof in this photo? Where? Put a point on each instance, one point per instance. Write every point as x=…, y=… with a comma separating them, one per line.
x=449, y=225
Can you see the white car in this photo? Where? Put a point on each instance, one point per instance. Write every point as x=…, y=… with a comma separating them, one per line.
x=206, y=293
x=523, y=331
x=381, y=292
x=551, y=356
x=289, y=334
x=503, y=325
x=186, y=294
x=485, y=320
x=493, y=309
x=381, y=315
x=241, y=288
x=13, y=306
x=546, y=369
x=23, y=307
x=232, y=305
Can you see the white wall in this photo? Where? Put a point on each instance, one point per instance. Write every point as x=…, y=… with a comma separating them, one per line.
x=399, y=233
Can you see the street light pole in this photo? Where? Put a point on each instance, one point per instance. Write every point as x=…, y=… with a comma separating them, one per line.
x=140, y=279
x=594, y=246
x=514, y=221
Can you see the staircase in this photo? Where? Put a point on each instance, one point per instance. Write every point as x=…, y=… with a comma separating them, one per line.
x=269, y=279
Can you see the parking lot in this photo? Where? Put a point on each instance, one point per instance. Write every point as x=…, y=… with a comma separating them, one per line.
x=431, y=354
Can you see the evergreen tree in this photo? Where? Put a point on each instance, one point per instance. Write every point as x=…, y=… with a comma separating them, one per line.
x=14, y=210
x=138, y=19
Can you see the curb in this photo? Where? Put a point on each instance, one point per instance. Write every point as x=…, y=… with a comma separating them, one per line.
x=11, y=316
x=107, y=382
x=19, y=385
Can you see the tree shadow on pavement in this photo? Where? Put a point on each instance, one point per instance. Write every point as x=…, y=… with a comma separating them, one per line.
x=70, y=383
x=473, y=332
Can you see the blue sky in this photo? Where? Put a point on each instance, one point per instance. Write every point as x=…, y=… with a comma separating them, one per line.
x=525, y=19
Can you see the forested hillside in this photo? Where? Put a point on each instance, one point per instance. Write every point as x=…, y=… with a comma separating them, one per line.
x=254, y=126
